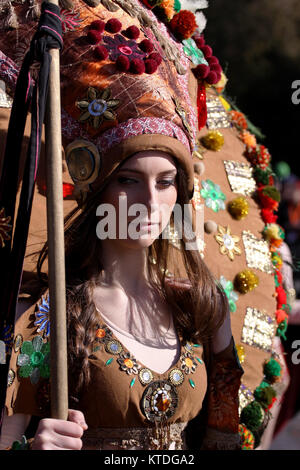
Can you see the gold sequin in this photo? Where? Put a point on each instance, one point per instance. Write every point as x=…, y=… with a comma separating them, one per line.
x=217, y=118
x=240, y=177
x=257, y=253
x=258, y=330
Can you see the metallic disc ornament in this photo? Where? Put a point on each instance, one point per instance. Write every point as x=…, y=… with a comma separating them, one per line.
x=83, y=160
x=159, y=401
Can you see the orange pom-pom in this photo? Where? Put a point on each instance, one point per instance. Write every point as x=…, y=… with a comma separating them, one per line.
x=248, y=138
x=239, y=119
x=281, y=315
x=183, y=24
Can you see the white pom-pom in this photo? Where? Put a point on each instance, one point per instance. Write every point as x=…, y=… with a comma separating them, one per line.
x=201, y=21
x=194, y=5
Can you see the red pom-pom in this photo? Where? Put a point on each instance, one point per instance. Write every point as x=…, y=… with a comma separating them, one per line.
x=123, y=63
x=212, y=78
x=207, y=51
x=132, y=32
x=281, y=315
x=201, y=71
x=268, y=216
x=183, y=24
x=137, y=66
x=146, y=46
x=156, y=56
x=113, y=25
x=98, y=25
x=200, y=42
x=281, y=297
x=151, y=65
x=101, y=52
x=94, y=36
x=212, y=60
x=216, y=68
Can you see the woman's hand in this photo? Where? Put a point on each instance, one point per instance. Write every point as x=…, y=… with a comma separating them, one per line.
x=58, y=434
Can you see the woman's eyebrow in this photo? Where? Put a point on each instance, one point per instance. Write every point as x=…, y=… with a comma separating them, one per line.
x=173, y=171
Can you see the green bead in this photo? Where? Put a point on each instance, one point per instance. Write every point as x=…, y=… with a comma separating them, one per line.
x=132, y=382
x=199, y=360
x=197, y=345
x=109, y=361
x=192, y=383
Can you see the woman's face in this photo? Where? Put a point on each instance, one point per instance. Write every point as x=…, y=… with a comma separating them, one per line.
x=143, y=192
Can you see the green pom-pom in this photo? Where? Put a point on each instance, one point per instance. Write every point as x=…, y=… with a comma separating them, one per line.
x=272, y=192
x=264, y=394
x=252, y=416
x=272, y=368
x=262, y=176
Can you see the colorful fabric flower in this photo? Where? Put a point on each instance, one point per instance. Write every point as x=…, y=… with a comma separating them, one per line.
x=118, y=45
x=5, y=227
x=97, y=106
x=128, y=363
x=34, y=359
x=191, y=50
x=214, y=197
x=232, y=296
x=43, y=317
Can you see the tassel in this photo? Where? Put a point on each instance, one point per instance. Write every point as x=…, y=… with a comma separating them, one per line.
x=11, y=20
x=201, y=105
x=34, y=10
x=109, y=5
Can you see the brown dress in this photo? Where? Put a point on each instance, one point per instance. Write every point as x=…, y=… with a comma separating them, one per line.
x=193, y=405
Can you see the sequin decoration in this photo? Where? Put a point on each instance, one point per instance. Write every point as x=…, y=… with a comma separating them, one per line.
x=34, y=360
x=245, y=397
x=171, y=234
x=102, y=334
x=113, y=347
x=240, y=177
x=43, y=316
x=258, y=330
x=228, y=242
x=196, y=200
x=159, y=401
x=214, y=197
x=10, y=377
x=257, y=253
x=145, y=376
x=217, y=117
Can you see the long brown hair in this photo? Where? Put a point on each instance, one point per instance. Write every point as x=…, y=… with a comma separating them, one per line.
x=197, y=312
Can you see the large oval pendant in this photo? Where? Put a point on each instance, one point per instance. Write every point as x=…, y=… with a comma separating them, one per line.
x=159, y=400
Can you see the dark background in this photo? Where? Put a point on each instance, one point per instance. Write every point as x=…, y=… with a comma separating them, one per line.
x=258, y=45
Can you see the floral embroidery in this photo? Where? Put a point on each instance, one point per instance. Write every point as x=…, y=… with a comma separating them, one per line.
x=214, y=197
x=230, y=293
x=70, y=20
x=42, y=317
x=97, y=106
x=128, y=363
x=102, y=334
x=5, y=227
x=191, y=49
x=118, y=45
x=34, y=359
x=228, y=242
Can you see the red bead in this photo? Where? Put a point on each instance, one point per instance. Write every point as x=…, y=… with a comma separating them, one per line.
x=94, y=36
x=146, y=46
x=156, y=56
x=98, y=25
x=101, y=52
x=207, y=51
x=132, y=32
x=212, y=78
x=123, y=63
x=137, y=66
x=151, y=65
x=113, y=25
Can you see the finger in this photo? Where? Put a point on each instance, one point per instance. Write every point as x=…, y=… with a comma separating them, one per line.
x=67, y=443
x=67, y=428
x=76, y=416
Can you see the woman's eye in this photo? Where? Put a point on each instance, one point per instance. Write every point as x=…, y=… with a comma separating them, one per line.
x=166, y=182
x=126, y=180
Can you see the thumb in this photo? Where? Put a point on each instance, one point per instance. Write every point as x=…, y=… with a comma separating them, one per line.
x=76, y=416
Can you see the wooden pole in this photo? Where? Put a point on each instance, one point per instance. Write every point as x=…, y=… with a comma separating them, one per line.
x=56, y=260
